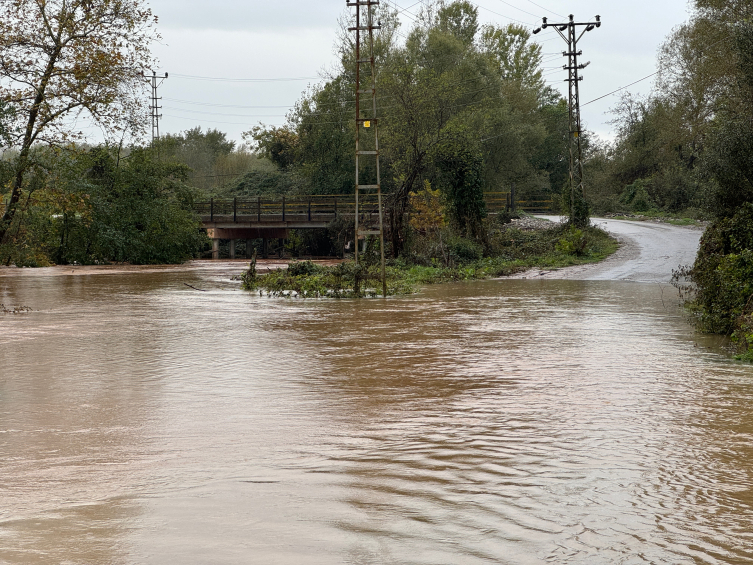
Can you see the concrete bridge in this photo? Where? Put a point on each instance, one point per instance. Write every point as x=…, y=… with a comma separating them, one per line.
x=273, y=218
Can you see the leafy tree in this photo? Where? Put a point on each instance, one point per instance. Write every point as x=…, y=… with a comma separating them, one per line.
x=460, y=163
x=279, y=145
x=6, y=117
x=63, y=58
x=427, y=214
x=449, y=78
x=141, y=209
x=209, y=155
x=518, y=59
x=459, y=20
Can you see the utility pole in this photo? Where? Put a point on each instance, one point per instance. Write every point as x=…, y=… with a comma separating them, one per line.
x=154, y=101
x=365, y=23
x=578, y=206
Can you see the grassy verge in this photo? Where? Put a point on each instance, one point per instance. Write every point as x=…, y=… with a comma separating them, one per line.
x=508, y=251
x=659, y=216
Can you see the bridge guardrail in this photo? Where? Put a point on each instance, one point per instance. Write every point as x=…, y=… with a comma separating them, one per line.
x=327, y=207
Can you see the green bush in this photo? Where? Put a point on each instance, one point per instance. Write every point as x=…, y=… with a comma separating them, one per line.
x=722, y=276
x=636, y=196
x=305, y=268
x=463, y=250
x=573, y=242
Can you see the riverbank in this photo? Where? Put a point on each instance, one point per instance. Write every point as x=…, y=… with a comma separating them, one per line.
x=221, y=268
x=533, y=242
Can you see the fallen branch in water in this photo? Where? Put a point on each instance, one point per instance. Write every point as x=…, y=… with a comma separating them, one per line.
x=14, y=310
x=193, y=287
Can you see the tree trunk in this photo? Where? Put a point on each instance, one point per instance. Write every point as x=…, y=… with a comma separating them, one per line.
x=29, y=137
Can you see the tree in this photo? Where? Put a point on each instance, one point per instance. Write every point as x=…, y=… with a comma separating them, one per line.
x=6, y=117
x=518, y=59
x=141, y=209
x=205, y=153
x=458, y=19
x=460, y=163
x=63, y=59
x=445, y=81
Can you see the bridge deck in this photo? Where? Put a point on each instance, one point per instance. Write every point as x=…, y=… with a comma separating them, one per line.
x=317, y=211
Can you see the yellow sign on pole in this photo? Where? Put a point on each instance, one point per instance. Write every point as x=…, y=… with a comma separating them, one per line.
x=367, y=124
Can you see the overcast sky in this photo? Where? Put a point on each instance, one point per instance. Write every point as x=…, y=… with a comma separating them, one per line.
x=273, y=49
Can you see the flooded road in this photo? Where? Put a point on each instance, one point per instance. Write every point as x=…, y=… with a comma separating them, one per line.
x=509, y=421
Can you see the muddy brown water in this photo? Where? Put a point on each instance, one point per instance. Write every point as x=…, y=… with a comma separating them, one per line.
x=511, y=421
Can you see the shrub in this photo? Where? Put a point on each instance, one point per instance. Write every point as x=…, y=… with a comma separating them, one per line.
x=463, y=250
x=305, y=268
x=637, y=197
x=723, y=278
x=573, y=242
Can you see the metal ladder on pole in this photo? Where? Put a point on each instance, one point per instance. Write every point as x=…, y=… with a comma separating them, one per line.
x=365, y=23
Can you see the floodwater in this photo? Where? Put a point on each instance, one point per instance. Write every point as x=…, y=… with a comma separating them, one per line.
x=510, y=421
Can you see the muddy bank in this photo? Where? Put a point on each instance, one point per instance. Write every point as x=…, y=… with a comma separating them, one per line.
x=219, y=268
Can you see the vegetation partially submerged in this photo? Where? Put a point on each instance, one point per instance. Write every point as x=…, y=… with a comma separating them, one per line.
x=718, y=288
x=437, y=259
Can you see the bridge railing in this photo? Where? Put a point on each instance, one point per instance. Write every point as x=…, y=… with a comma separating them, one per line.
x=326, y=207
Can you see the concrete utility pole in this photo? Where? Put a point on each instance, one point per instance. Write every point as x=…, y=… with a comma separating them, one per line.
x=578, y=208
x=370, y=122
x=154, y=101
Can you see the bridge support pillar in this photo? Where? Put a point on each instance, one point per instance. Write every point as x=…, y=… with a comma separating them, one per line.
x=265, y=248
x=249, y=246
x=232, y=249
x=215, y=249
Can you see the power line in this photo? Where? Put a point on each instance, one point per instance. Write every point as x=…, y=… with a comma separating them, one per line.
x=224, y=79
x=227, y=115
x=194, y=103
x=542, y=7
x=521, y=9
x=621, y=88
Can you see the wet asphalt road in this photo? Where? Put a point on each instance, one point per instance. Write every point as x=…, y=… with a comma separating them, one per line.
x=648, y=252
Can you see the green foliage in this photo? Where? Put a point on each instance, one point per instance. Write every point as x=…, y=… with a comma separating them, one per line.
x=279, y=145
x=449, y=79
x=89, y=207
x=305, y=268
x=141, y=209
x=345, y=280
x=518, y=59
x=458, y=19
x=461, y=166
x=723, y=273
x=59, y=59
x=728, y=162
x=211, y=158
x=249, y=278
x=264, y=179
x=463, y=250
x=636, y=196
x=7, y=115
x=572, y=242
x=575, y=206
